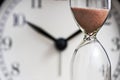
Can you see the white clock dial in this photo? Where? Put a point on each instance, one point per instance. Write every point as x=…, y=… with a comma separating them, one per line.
x=27, y=54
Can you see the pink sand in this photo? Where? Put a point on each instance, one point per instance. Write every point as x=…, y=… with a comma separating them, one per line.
x=90, y=19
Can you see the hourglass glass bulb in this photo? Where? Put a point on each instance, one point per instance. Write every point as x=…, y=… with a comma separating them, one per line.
x=90, y=60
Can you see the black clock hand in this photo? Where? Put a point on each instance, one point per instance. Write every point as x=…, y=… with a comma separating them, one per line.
x=119, y=0
x=60, y=43
x=1, y=2
x=73, y=35
x=40, y=30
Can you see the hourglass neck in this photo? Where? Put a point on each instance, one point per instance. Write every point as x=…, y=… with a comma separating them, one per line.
x=90, y=36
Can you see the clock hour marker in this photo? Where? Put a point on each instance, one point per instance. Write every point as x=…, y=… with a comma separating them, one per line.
x=116, y=42
x=19, y=19
x=36, y=3
x=6, y=43
x=15, y=69
x=117, y=70
x=108, y=21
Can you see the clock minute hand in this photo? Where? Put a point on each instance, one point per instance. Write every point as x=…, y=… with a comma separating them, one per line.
x=40, y=30
x=73, y=35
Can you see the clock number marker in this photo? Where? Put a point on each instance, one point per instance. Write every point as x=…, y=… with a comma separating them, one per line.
x=108, y=21
x=36, y=3
x=15, y=69
x=19, y=19
x=117, y=70
x=6, y=43
x=116, y=42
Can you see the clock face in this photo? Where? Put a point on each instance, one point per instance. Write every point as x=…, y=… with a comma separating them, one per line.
x=30, y=30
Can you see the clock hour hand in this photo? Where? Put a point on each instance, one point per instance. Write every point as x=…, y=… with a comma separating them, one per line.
x=73, y=35
x=40, y=30
x=1, y=2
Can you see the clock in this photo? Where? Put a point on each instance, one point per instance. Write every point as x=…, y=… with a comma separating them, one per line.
x=38, y=38
x=36, y=41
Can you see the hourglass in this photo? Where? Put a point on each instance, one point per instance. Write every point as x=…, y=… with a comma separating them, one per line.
x=90, y=60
